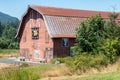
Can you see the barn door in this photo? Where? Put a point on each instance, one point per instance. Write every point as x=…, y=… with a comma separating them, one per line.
x=48, y=54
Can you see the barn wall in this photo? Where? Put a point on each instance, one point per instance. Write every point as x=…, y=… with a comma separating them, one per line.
x=59, y=50
x=27, y=44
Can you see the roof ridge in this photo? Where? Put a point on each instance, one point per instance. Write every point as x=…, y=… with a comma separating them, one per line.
x=70, y=8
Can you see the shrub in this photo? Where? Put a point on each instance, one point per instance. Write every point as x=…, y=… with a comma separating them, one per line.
x=62, y=60
x=90, y=35
x=24, y=65
x=81, y=63
x=111, y=49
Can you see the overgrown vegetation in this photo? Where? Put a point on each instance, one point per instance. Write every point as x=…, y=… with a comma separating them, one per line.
x=33, y=72
x=97, y=44
x=7, y=35
x=56, y=72
x=81, y=63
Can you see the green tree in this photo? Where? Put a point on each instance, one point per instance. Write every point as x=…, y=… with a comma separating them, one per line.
x=7, y=35
x=112, y=28
x=4, y=43
x=90, y=35
x=1, y=29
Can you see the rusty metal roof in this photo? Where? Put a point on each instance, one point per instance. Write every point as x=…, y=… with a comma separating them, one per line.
x=59, y=26
x=63, y=22
x=68, y=12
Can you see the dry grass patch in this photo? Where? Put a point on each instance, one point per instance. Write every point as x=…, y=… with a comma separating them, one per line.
x=110, y=68
x=6, y=66
x=57, y=71
x=92, y=72
x=8, y=55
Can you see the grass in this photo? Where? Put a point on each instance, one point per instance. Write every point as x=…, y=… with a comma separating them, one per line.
x=107, y=76
x=34, y=72
x=53, y=72
x=5, y=53
x=3, y=65
x=8, y=51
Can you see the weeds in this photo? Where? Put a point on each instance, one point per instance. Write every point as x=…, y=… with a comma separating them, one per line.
x=34, y=72
x=81, y=63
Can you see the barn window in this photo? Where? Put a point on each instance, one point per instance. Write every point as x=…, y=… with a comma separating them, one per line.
x=65, y=42
x=37, y=54
x=35, y=33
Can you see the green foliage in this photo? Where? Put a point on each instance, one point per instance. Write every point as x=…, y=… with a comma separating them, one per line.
x=7, y=35
x=4, y=43
x=98, y=43
x=112, y=29
x=94, y=33
x=107, y=76
x=113, y=16
x=62, y=60
x=85, y=61
x=24, y=65
x=90, y=35
x=25, y=74
x=30, y=73
x=9, y=51
x=112, y=49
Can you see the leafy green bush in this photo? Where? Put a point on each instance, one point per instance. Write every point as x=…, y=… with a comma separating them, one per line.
x=90, y=35
x=111, y=49
x=98, y=43
x=85, y=61
x=62, y=60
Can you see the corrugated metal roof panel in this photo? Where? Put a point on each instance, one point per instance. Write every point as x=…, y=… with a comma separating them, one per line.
x=62, y=26
x=62, y=22
x=69, y=12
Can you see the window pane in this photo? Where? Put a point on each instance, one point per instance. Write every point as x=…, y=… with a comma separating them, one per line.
x=65, y=42
x=35, y=33
x=37, y=53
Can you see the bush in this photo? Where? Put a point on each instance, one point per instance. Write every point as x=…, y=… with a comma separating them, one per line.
x=87, y=61
x=90, y=35
x=111, y=49
x=81, y=63
x=24, y=65
x=97, y=43
x=62, y=60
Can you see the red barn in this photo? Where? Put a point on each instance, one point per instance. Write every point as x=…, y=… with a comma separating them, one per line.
x=47, y=32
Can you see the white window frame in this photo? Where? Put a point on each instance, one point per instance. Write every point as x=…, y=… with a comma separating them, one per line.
x=37, y=53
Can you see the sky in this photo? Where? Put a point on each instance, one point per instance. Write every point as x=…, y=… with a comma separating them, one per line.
x=17, y=8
